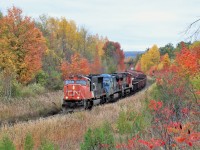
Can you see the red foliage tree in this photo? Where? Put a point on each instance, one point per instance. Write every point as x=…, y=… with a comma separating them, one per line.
x=120, y=56
x=188, y=61
x=138, y=66
x=113, y=50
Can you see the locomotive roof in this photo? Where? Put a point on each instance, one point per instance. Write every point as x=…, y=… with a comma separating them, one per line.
x=78, y=76
x=106, y=75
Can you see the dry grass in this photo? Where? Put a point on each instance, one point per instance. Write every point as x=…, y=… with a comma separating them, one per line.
x=24, y=109
x=67, y=130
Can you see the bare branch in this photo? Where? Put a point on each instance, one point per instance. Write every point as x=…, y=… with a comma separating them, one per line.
x=192, y=30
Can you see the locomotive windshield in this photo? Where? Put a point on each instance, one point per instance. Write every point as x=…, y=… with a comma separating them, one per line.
x=82, y=82
x=69, y=81
x=106, y=81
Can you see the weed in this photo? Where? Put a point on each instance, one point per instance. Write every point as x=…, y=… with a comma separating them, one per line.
x=29, y=144
x=6, y=144
x=123, y=124
x=47, y=145
x=98, y=138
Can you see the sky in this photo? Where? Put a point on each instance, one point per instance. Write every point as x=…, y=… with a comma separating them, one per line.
x=135, y=24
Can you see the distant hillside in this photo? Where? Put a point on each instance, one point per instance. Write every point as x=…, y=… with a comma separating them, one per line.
x=132, y=53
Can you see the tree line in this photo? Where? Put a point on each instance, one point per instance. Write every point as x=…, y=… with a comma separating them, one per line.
x=48, y=49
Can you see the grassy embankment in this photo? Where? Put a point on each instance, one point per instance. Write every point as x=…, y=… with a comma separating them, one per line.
x=21, y=109
x=67, y=131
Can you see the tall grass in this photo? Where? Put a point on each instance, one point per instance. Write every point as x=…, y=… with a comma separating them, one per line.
x=68, y=131
x=30, y=107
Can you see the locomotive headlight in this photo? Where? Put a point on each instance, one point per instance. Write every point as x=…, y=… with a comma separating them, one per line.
x=73, y=87
x=78, y=97
x=66, y=97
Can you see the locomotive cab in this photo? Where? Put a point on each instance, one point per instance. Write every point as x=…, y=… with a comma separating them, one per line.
x=96, y=85
x=76, y=90
x=109, y=84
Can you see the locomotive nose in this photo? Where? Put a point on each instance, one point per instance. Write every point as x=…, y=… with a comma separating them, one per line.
x=73, y=91
x=73, y=87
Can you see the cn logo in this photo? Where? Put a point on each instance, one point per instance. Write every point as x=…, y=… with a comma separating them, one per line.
x=73, y=93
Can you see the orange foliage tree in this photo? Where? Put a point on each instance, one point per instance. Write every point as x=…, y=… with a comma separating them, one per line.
x=77, y=65
x=96, y=66
x=22, y=46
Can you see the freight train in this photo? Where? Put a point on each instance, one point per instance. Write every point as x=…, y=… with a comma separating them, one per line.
x=86, y=91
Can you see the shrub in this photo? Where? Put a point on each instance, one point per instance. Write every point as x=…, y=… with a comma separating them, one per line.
x=41, y=78
x=47, y=145
x=28, y=145
x=18, y=90
x=6, y=144
x=98, y=138
x=195, y=81
x=141, y=122
x=36, y=88
x=54, y=81
x=123, y=124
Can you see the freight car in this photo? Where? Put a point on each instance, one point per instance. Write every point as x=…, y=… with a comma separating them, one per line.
x=85, y=91
x=139, y=80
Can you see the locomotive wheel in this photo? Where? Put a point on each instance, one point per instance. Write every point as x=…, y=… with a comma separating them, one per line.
x=111, y=98
x=103, y=100
x=67, y=110
x=88, y=104
x=120, y=95
x=123, y=94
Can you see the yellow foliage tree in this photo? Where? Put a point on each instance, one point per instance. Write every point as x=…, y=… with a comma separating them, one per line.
x=150, y=58
x=164, y=62
x=154, y=55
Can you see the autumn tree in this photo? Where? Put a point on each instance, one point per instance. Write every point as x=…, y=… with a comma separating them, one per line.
x=138, y=66
x=64, y=39
x=114, y=56
x=77, y=65
x=180, y=44
x=1, y=14
x=130, y=62
x=169, y=49
x=188, y=61
x=145, y=62
x=96, y=67
x=164, y=62
x=22, y=46
x=150, y=58
x=99, y=45
x=53, y=55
